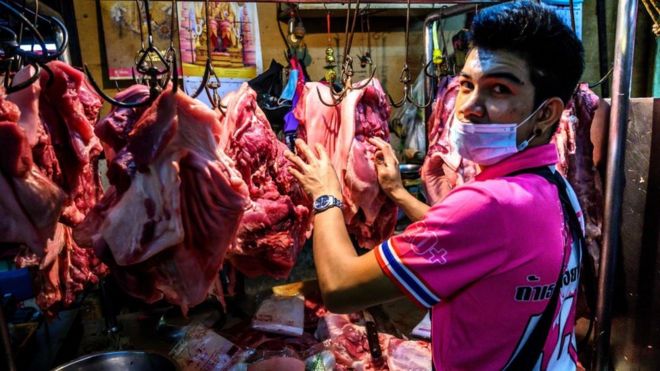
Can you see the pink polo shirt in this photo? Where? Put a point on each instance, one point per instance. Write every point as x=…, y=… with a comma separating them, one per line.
x=485, y=260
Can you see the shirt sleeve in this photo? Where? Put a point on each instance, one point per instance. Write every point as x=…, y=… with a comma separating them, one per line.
x=460, y=240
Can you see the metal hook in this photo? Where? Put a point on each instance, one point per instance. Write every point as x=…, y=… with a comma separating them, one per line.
x=405, y=78
x=65, y=39
x=336, y=99
x=434, y=74
x=13, y=52
x=347, y=67
x=205, y=78
x=33, y=29
x=10, y=88
x=46, y=56
x=214, y=98
x=418, y=105
x=110, y=100
x=442, y=67
x=175, y=74
x=208, y=86
x=366, y=83
x=146, y=61
x=347, y=75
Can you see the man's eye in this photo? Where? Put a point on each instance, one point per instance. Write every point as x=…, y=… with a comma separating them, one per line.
x=501, y=89
x=466, y=85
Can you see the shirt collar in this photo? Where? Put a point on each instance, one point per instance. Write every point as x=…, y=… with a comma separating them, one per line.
x=543, y=155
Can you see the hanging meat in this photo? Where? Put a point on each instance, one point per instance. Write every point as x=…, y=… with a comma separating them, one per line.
x=67, y=108
x=114, y=128
x=175, y=202
x=277, y=218
x=344, y=132
x=57, y=113
x=443, y=168
x=30, y=202
x=577, y=165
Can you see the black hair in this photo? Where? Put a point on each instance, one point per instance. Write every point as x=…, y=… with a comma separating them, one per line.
x=554, y=54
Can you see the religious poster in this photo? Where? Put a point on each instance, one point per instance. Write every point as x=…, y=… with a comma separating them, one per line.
x=232, y=36
x=228, y=35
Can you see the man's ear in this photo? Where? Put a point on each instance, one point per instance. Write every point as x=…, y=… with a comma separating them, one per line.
x=549, y=115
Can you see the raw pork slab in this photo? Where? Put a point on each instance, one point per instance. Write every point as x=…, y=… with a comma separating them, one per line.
x=57, y=114
x=277, y=219
x=30, y=203
x=343, y=131
x=114, y=128
x=165, y=230
x=348, y=342
x=573, y=140
x=69, y=110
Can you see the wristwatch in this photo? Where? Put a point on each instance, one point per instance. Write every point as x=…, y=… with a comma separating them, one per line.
x=325, y=202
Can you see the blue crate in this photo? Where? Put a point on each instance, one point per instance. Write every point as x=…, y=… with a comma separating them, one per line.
x=18, y=283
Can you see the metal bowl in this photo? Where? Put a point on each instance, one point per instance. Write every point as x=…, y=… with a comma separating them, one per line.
x=122, y=360
x=409, y=171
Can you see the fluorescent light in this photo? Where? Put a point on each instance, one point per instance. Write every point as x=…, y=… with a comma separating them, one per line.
x=37, y=47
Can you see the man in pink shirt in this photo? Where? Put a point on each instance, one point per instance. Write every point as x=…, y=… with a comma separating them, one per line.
x=486, y=259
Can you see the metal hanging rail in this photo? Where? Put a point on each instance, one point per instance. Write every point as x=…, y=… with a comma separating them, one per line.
x=624, y=52
x=376, y=1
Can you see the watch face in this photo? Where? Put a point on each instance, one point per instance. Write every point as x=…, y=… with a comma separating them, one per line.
x=322, y=202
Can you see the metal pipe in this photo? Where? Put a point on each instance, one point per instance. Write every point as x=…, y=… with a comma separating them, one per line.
x=6, y=341
x=621, y=84
x=429, y=82
x=602, y=47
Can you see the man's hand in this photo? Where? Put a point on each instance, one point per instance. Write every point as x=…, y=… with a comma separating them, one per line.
x=439, y=178
x=387, y=167
x=314, y=171
x=389, y=178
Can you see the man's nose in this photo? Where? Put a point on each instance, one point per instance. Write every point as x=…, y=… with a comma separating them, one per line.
x=472, y=108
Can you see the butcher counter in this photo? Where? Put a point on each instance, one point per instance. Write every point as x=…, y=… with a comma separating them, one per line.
x=91, y=328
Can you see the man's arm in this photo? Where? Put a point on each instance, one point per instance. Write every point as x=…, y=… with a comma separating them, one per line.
x=411, y=206
x=348, y=282
x=389, y=178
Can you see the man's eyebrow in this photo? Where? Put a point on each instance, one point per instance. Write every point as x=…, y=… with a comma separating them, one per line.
x=505, y=75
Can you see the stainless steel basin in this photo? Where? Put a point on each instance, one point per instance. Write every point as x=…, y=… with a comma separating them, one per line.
x=409, y=171
x=120, y=361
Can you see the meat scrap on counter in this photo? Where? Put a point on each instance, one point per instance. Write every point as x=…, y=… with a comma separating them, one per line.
x=277, y=219
x=51, y=180
x=339, y=343
x=344, y=131
x=349, y=344
x=175, y=201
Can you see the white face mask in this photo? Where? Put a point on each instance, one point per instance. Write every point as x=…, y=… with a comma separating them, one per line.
x=487, y=144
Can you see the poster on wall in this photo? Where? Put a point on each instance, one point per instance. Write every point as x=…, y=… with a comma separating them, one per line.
x=232, y=36
x=121, y=22
x=228, y=35
x=231, y=33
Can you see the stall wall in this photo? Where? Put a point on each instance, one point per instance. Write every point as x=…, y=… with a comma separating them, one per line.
x=387, y=47
x=636, y=327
